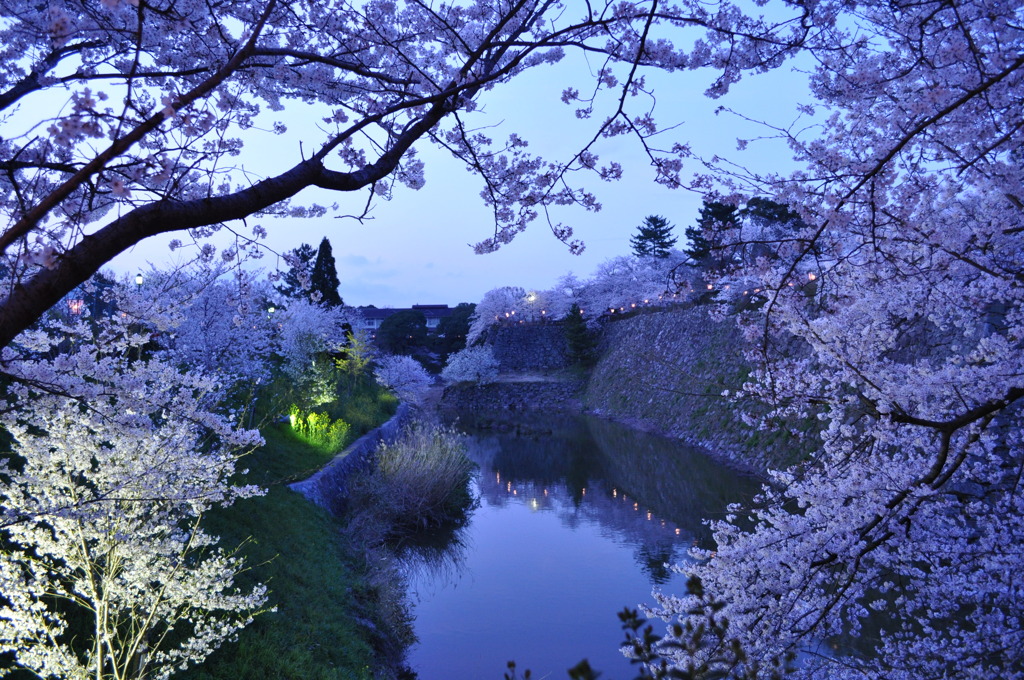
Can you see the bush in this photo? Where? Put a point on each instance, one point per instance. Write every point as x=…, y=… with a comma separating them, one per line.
x=473, y=364
x=317, y=429
x=421, y=480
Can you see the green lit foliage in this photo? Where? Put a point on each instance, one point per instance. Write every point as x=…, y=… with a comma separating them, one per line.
x=355, y=357
x=318, y=429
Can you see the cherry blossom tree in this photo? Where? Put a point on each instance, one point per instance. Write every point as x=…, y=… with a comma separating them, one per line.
x=627, y=282
x=226, y=327
x=150, y=115
x=498, y=305
x=106, y=571
x=308, y=338
x=404, y=376
x=473, y=364
x=901, y=532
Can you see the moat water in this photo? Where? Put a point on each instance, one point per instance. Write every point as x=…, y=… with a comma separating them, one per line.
x=577, y=519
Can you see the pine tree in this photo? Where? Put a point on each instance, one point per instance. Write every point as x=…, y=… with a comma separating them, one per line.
x=292, y=281
x=653, y=237
x=324, y=277
x=579, y=338
x=714, y=217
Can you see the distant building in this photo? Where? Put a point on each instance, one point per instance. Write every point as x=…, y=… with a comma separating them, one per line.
x=372, y=317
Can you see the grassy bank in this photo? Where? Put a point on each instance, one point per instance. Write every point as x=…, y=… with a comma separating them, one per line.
x=320, y=630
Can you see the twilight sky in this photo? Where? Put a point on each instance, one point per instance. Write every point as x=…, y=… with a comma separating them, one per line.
x=416, y=249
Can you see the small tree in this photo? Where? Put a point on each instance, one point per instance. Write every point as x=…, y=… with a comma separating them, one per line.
x=296, y=281
x=580, y=339
x=403, y=331
x=473, y=364
x=106, y=572
x=653, y=238
x=452, y=330
x=324, y=277
x=404, y=376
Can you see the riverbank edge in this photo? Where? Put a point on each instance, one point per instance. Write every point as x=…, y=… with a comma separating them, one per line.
x=666, y=372
x=326, y=487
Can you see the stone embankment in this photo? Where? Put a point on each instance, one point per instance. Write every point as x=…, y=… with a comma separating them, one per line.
x=664, y=371
x=514, y=393
x=326, y=487
x=529, y=347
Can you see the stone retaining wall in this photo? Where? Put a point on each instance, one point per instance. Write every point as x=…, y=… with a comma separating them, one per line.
x=663, y=371
x=666, y=372
x=514, y=396
x=529, y=347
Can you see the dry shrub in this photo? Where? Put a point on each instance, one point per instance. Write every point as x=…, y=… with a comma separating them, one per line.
x=420, y=481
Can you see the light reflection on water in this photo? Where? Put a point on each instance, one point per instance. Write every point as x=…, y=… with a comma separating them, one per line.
x=575, y=522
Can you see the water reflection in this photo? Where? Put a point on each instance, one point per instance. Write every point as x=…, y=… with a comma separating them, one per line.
x=577, y=518
x=616, y=468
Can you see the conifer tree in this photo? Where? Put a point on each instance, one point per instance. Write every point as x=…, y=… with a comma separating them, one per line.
x=653, y=238
x=714, y=217
x=324, y=277
x=580, y=339
x=294, y=282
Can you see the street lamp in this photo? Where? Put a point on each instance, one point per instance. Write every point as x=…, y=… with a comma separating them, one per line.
x=138, y=280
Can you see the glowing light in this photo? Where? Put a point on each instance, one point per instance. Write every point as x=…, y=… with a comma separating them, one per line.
x=710, y=287
x=138, y=279
x=636, y=506
x=534, y=504
x=648, y=517
x=76, y=306
x=677, y=531
x=615, y=493
x=811, y=276
x=532, y=297
x=508, y=487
